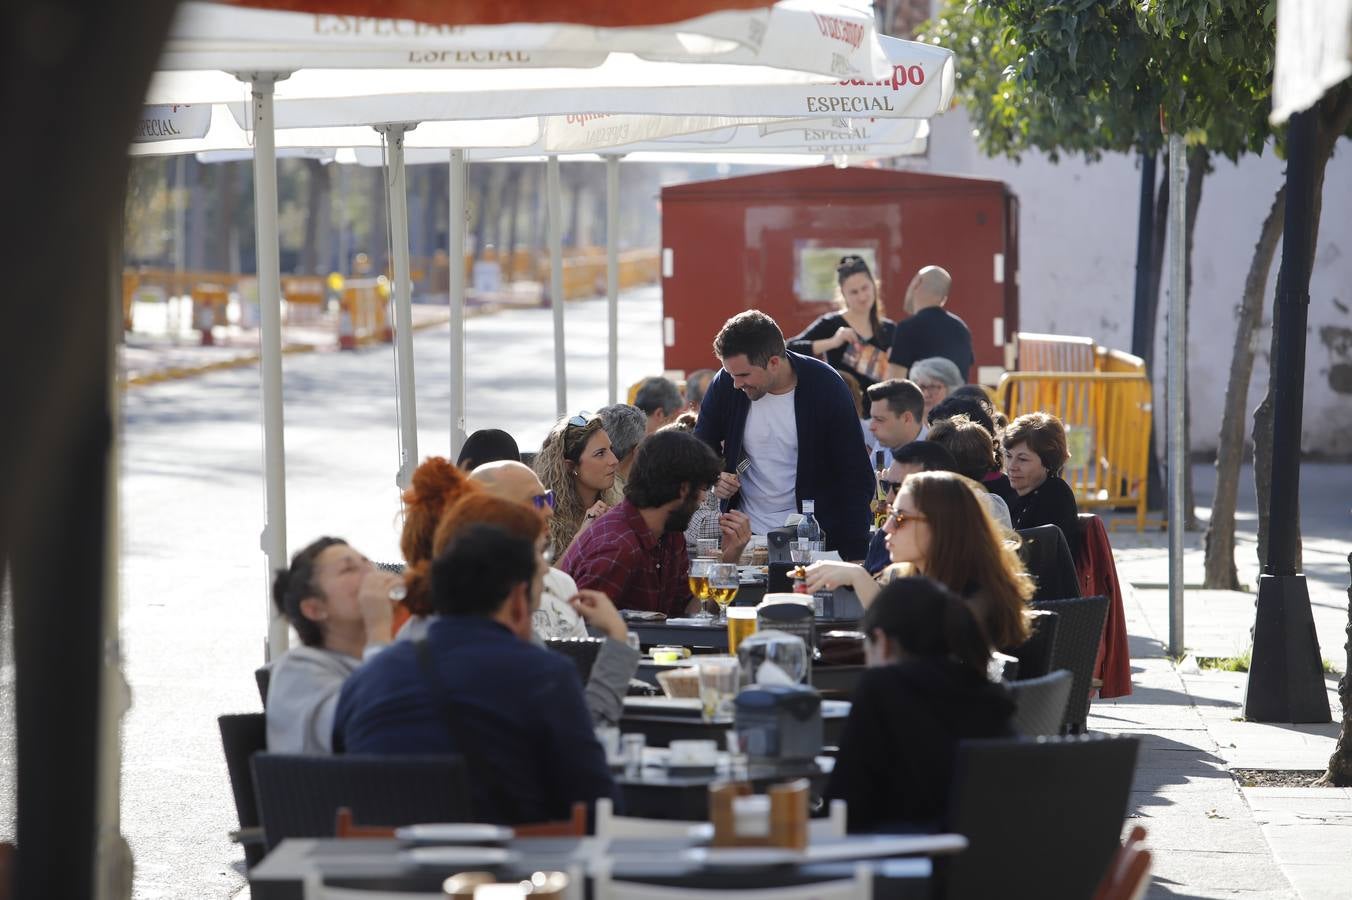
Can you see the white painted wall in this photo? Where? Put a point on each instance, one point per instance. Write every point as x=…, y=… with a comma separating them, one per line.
x=1078, y=248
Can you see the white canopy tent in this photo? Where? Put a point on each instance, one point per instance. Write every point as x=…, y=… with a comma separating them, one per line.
x=353, y=91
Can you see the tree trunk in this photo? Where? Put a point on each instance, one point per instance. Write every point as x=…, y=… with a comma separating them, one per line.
x=197, y=216
x=317, y=215
x=378, y=240
x=1199, y=164
x=513, y=203
x=1340, y=763
x=1334, y=118
x=1221, y=573
x=1154, y=478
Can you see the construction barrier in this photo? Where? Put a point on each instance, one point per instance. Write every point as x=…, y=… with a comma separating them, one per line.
x=306, y=298
x=210, y=305
x=1053, y=352
x=1107, y=416
x=361, y=314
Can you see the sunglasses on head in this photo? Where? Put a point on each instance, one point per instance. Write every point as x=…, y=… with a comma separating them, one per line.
x=852, y=264
x=582, y=419
x=543, y=500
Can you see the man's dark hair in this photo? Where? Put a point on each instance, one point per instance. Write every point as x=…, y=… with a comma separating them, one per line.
x=667, y=461
x=658, y=393
x=485, y=446
x=972, y=446
x=294, y=584
x=967, y=405
x=752, y=334
x=928, y=455
x=696, y=383
x=900, y=395
x=477, y=570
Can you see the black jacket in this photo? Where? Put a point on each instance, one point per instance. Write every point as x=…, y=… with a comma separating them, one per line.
x=1050, y=503
x=895, y=765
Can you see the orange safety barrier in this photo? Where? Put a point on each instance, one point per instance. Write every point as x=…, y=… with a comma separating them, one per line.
x=209, y=309
x=1053, y=352
x=361, y=315
x=1107, y=417
x=305, y=297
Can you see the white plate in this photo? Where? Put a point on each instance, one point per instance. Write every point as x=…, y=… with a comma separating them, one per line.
x=453, y=833
x=456, y=856
x=754, y=857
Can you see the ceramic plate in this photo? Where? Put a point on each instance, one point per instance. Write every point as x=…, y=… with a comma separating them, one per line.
x=456, y=856
x=454, y=833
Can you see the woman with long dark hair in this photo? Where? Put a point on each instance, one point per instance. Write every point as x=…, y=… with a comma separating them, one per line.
x=857, y=337
x=925, y=690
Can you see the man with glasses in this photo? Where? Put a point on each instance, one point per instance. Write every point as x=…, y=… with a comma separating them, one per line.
x=930, y=330
x=786, y=423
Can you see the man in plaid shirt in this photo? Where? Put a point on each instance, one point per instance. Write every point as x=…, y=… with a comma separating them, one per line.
x=636, y=553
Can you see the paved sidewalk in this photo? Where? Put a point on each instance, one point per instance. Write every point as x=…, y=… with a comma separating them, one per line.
x=1209, y=836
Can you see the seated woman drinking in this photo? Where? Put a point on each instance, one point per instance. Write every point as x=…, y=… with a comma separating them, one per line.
x=939, y=528
x=341, y=606
x=1035, y=453
x=925, y=690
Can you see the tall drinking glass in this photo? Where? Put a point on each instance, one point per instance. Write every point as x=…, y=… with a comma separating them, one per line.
x=723, y=586
x=719, y=679
x=741, y=625
x=699, y=584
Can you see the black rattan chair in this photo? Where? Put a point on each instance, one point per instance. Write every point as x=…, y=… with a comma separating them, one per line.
x=1042, y=816
x=299, y=795
x=241, y=737
x=263, y=675
x=1035, y=654
x=1040, y=703
x=1079, y=628
x=1046, y=555
x=582, y=651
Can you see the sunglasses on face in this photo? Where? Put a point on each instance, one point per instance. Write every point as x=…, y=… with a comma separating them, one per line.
x=543, y=500
x=899, y=518
x=888, y=486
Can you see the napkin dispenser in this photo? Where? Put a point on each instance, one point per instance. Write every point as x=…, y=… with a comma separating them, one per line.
x=777, y=542
x=779, y=723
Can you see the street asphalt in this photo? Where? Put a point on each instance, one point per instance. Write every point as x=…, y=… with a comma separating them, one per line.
x=194, y=602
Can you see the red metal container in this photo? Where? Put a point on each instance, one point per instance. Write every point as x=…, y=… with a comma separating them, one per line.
x=770, y=242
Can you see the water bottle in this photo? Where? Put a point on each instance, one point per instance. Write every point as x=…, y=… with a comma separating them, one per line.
x=808, y=529
x=810, y=532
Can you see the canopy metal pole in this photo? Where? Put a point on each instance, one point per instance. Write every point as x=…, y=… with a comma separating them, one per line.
x=270, y=345
x=456, y=265
x=406, y=403
x=613, y=273
x=556, y=299
x=1177, y=383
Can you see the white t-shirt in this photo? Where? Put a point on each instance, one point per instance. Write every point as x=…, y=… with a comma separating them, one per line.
x=770, y=441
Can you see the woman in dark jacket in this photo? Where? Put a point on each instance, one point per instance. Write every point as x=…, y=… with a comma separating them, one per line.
x=1035, y=452
x=926, y=689
x=858, y=338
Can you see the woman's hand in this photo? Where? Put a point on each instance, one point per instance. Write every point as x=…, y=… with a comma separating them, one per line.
x=597, y=611
x=597, y=510
x=845, y=335
x=376, y=604
x=829, y=575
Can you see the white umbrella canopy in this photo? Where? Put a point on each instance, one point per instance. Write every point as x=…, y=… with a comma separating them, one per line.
x=385, y=71
x=828, y=37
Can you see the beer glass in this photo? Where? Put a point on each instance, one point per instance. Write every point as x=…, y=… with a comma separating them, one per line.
x=699, y=584
x=741, y=625
x=723, y=585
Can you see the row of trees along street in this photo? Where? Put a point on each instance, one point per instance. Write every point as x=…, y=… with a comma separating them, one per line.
x=1102, y=76
x=328, y=213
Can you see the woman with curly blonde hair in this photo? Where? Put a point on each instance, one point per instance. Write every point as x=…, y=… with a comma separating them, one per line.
x=576, y=463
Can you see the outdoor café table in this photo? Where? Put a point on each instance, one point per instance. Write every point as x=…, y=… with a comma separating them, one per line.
x=835, y=682
x=704, y=636
x=900, y=864
x=662, y=720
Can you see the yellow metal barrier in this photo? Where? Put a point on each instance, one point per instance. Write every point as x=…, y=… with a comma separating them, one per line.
x=361, y=314
x=305, y=298
x=1054, y=352
x=1107, y=417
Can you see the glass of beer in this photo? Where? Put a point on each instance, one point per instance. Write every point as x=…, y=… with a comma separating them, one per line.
x=699, y=584
x=723, y=585
x=741, y=625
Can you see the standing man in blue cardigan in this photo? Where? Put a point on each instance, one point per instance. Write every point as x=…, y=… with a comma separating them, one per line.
x=793, y=418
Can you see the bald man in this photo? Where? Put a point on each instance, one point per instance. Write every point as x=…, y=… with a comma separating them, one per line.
x=930, y=330
x=563, y=608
